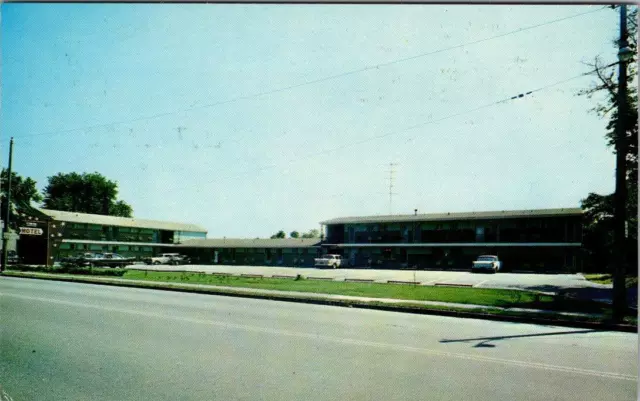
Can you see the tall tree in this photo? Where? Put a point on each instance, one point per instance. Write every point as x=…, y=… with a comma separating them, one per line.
x=294, y=234
x=23, y=193
x=598, y=225
x=279, y=234
x=85, y=193
x=313, y=233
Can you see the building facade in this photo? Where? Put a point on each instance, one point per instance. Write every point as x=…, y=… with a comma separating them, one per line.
x=47, y=236
x=537, y=240
x=263, y=252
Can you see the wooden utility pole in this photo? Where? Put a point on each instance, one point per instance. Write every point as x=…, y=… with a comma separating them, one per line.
x=5, y=233
x=620, y=196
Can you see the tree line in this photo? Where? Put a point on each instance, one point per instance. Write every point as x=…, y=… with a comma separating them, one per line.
x=72, y=192
x=313, y=233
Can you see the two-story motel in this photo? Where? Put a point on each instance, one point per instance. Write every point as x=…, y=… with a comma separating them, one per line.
x=538, y=240
x=547, y=239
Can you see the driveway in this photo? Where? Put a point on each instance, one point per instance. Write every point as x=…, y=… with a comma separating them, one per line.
x=524, y=281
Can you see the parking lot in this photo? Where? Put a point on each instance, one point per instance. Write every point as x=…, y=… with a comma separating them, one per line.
x=526, y=281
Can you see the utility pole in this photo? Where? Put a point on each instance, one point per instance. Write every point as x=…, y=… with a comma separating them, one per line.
x=391, y=193
x=3, y=264
x=620, y=196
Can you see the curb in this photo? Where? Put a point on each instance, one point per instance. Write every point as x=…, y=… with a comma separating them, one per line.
x=452, y=285
x=605, y=326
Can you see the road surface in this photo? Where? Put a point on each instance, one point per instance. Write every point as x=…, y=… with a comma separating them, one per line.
x=68, y=341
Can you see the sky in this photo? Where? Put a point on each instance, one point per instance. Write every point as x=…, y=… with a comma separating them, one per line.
x=249, y=119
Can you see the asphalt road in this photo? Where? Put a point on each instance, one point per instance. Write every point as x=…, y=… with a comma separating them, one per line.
x=67, y=341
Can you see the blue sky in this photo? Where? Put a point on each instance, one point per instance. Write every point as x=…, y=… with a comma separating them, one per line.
x=203, y=114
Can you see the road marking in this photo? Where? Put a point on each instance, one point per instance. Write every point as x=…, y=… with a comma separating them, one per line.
x=480, y=283
x=341, y=340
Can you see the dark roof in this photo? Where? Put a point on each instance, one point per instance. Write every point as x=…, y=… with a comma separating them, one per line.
x=503, y=214
x=74, y=217
x=250, y=243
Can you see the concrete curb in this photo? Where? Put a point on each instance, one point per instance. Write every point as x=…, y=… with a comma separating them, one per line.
x=318, y=299
x=452, y=285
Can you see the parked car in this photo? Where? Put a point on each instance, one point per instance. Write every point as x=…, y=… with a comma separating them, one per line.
x=331, y=260
x=81, y=259
x=489, y=263
x=180, y=260
x=114, y=260
x=168, y=259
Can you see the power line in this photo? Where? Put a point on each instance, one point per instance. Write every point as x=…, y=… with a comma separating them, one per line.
x=315, y=81
x=396, y=132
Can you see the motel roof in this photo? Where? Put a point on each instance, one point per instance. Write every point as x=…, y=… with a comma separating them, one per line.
x=86, y=218
x=502, y=214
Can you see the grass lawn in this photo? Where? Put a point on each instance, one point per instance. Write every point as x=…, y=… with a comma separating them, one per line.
x=477, y=296
x=631, y=281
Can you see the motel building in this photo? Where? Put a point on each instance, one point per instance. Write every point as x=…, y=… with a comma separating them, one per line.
x=535, y=240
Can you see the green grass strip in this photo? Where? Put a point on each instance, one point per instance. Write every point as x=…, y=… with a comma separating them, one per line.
x=503, y=298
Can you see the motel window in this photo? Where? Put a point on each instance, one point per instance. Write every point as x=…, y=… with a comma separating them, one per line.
x=95, y=247
x=123, y=248
x=65, y=246
x=147, y=248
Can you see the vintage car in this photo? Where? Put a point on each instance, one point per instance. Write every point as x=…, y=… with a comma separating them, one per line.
x=331, y=260
x=489, y=263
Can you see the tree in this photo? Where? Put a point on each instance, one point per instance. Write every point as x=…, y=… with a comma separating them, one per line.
x=122, y=209
x=294, y=234
x=279, y=234
x=23, y=193
x=313, y=233
x=598, y=223
x=85, y=193
x=597, y=237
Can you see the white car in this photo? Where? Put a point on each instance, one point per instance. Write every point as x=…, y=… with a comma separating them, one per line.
x=163, y=259
x=487, y=263
x=330, y=260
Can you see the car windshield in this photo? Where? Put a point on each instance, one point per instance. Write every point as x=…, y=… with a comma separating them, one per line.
x=486, y=259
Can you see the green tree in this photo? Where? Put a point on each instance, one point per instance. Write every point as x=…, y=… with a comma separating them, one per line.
x=85, y=193
x=294, y=234
x=598, y=218
x=313, y=233
x=279, y=234
x=23, y=193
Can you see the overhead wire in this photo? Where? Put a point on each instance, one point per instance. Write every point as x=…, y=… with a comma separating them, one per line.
x=306, y=83
x=391, y=133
